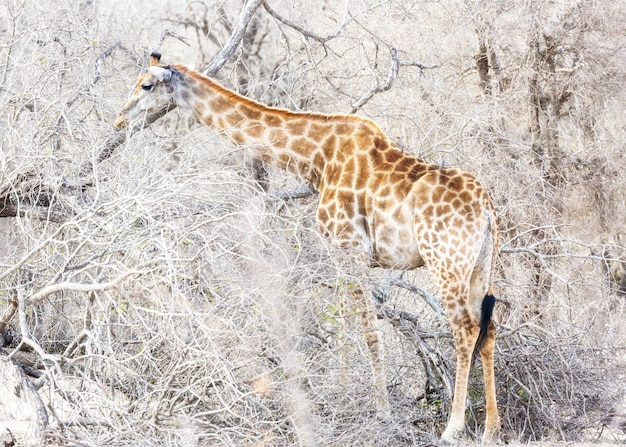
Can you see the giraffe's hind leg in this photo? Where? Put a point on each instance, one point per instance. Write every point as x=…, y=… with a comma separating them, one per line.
x=483, y=301
x=466, y=336
x=492, y=420
x=462, y=292
x=465, y=330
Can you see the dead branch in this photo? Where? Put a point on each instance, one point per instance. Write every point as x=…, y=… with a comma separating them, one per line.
x=12, y=208
x=235, y=39
x=8, y=313
x=432, y=301
x=66, y=286
x=167, y=33
x=393, y=74
x=115, y=140
x=25, y=195
x=98, y=64
x=299, y=192
x=97, y=69
x=437, y=369
x=304, y=32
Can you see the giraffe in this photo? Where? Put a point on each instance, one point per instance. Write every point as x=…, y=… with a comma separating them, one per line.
x=401, y=212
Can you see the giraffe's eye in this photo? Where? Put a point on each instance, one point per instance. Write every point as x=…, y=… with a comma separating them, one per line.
x=147, y=87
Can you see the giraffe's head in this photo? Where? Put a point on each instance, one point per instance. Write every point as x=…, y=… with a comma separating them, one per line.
x=153, y=92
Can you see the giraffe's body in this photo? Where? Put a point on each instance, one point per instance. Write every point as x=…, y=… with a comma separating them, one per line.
x=402, y=212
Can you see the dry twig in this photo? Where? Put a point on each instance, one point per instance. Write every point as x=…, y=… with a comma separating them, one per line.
x=393, y=74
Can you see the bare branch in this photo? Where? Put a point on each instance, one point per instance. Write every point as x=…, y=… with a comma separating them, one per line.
x=98, y=64
x=97, y=68
x=11, y=208
x=67, y=286
x=393, y=74
x=432, y=301
x=420, y=65
x=433, y=360
x=235, y=39
x=117, y=138
x=26, y=256
x=299, y=192
x=301, y=30
x=165, y=33
x=8, y=313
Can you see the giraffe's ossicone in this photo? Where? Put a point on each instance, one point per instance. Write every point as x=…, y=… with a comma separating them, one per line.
x=404, y=213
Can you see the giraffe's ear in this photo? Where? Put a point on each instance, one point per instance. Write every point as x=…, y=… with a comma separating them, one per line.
x=162, y=74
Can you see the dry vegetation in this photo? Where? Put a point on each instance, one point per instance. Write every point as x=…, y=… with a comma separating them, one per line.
x=155, y=291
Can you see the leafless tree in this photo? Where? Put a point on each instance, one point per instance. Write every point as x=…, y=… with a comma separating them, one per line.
x=159, y=288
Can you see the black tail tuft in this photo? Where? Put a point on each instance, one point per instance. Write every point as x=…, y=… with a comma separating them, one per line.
x=486, y=312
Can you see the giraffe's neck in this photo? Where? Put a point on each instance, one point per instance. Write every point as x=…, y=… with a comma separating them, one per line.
x=301, y=143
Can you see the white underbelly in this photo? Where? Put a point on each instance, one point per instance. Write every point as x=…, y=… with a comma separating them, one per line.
x=404, y=258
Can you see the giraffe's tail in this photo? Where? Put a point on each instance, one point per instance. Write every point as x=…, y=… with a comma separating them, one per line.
x=486, y=312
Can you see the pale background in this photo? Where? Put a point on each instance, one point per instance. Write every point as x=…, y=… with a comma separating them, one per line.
x=178, y=303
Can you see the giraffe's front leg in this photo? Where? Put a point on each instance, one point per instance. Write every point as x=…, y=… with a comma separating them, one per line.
x=374, y=342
